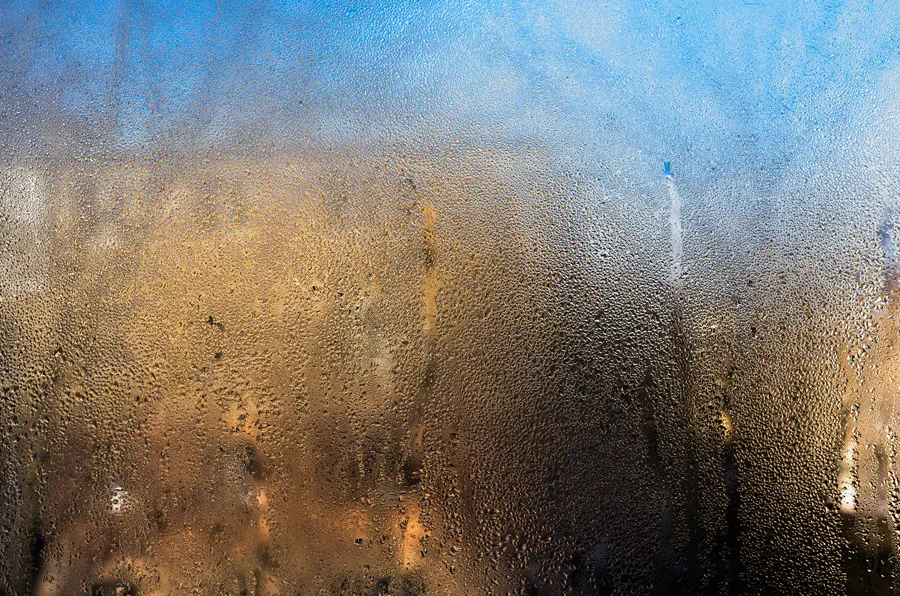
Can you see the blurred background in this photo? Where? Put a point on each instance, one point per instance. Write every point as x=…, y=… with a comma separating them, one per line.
x=449, y=297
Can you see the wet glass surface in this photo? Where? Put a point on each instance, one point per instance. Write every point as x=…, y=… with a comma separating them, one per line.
x=449, y=298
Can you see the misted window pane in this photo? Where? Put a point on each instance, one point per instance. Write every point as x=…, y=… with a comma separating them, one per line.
x=454, y=298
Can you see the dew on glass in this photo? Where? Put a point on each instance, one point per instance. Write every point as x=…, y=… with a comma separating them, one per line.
x=449, y=298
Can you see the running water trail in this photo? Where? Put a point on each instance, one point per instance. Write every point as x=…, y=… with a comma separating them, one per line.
x=675, y=230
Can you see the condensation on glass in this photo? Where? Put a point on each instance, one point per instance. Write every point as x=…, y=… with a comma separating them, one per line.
x=449, y=298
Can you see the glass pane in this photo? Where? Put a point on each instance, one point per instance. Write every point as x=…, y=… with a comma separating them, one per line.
x=527, y=297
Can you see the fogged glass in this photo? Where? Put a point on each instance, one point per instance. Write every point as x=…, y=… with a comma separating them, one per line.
x=449, y=298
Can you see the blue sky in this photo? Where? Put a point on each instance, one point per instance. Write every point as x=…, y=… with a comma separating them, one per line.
x=666, y=75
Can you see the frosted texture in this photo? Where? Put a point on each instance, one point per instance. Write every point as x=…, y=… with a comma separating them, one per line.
x=449, y=298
